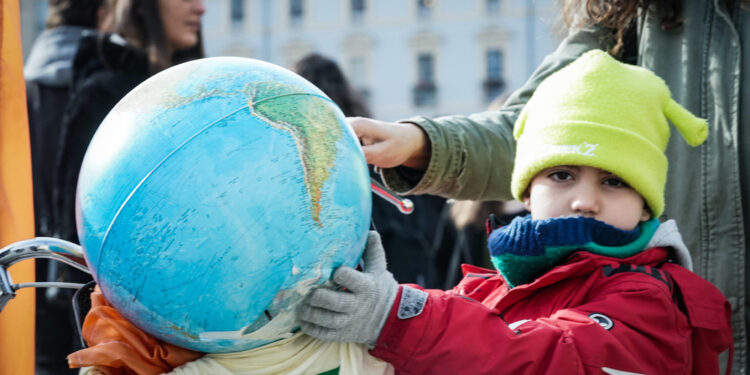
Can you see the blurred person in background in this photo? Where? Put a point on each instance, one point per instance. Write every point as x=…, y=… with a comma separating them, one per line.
x=699, y=48
x=140, y=38
x=143, y=37
x=418, y=246
x=49, y=76
x=325, y=74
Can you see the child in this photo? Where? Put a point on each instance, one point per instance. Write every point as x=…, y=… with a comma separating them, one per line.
x=588, y=284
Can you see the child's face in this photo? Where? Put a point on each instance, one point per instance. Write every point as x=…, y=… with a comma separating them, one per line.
x=585, y=191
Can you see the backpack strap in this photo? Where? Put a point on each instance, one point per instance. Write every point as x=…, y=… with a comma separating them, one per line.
x=81, y=306
x=709, y=315
x=654, y=272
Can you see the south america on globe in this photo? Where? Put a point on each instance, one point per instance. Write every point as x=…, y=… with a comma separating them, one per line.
x=214, y=196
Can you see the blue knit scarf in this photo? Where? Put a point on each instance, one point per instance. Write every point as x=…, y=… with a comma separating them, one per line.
x=525, y=249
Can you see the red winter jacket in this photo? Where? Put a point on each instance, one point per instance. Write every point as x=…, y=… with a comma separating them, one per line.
x=591, y=315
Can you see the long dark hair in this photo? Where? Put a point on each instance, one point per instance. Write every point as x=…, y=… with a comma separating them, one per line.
x=325, y=73
x=620, y=15
x=139, y=22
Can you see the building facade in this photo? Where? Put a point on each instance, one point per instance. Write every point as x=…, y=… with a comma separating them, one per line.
x=407, y=57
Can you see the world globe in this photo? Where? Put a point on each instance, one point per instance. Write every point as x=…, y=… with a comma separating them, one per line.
x=214, y=196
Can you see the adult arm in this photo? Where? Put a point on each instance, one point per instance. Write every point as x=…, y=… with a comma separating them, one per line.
x=471, y=157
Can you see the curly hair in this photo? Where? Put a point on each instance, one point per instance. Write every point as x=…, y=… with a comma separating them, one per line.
x=620, y=15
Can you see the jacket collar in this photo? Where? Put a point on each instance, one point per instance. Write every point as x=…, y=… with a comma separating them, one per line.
x=667, y=235
x=578, y=264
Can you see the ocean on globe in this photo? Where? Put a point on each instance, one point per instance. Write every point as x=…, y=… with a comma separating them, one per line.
x=214, y=196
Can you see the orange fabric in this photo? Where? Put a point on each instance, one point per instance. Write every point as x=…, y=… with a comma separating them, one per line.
x=16, y=205
x=117, y=347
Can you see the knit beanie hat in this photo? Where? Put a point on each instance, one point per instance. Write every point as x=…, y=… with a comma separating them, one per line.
x=601, y=113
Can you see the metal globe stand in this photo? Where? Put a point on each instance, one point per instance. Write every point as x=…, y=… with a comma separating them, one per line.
x=42, y=248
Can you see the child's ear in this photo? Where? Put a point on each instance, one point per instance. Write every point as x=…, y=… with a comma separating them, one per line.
x=646, y=214
x=527, y=201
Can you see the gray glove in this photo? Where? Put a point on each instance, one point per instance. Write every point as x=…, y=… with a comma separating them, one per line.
x=358, y=313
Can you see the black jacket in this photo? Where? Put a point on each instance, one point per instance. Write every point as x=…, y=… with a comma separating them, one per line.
x=417, y=246
x=104, y=70
x=49, y=76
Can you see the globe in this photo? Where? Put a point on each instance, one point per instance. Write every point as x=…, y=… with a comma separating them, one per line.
x=214, y=196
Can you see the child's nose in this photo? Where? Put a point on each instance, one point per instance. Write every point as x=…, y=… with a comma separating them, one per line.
x=585, y=202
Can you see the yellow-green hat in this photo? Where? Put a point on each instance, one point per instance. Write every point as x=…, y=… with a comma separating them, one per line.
x=601, y=113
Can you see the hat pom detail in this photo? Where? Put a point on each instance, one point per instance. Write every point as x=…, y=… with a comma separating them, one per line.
x=694, y=129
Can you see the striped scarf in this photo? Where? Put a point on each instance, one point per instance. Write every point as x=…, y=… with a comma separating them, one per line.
x=525, y=249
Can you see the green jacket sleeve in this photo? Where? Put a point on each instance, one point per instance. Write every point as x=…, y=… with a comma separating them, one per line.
x=472, y=156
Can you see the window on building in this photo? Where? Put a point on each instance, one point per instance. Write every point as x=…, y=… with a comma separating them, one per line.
x=425, y=66
x=357, y=10
x=296, y=11
x=424, y=8
x=494, y=84
x=358, y=77
x=357, y=69
x=425, y=91
x=238, y=12
x=492, y=6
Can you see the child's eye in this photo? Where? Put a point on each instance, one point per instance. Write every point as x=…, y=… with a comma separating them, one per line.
x=560, y=176
x=615, y=182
